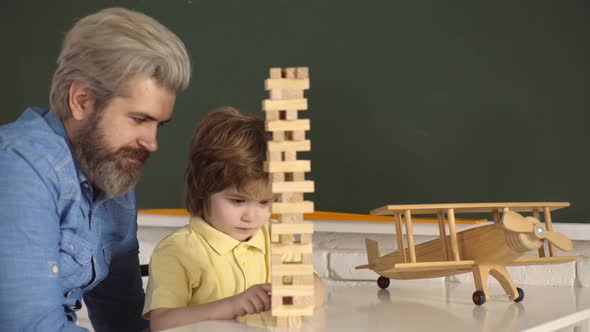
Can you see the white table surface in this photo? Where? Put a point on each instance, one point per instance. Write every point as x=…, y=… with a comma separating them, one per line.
x=432, y=308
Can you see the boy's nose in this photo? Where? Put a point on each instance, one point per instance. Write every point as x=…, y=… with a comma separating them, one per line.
x=248, y=215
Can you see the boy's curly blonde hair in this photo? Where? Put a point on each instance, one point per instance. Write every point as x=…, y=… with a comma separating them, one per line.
x=228, y=148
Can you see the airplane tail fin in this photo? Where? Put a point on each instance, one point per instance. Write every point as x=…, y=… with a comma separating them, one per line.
x=372, y=253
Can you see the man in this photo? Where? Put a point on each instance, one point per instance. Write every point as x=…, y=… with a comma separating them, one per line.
x=68, y=229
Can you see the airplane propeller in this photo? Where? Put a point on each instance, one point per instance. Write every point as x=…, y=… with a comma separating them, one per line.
x=517, y=223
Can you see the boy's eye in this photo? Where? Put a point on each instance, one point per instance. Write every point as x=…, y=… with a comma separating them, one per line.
x=265, y=203
x=237, y=200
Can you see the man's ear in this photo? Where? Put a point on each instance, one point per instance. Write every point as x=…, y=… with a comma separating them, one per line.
x=80, y=100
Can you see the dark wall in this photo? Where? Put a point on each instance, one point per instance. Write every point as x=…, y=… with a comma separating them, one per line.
x=410, y=101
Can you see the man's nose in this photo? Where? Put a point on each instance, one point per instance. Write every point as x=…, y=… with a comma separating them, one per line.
x=149, y=140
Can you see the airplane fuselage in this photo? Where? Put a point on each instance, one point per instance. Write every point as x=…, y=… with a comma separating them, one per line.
x=491, y=244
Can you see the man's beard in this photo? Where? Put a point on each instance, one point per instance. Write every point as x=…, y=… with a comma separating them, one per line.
x=108, y=170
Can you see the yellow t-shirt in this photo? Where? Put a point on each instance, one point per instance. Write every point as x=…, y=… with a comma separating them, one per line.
x=198, y=264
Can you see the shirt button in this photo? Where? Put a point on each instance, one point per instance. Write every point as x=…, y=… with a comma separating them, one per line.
x=55, y=269
x=77, y=305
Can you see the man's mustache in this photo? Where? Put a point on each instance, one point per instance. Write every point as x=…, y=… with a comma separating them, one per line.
x=139, y=154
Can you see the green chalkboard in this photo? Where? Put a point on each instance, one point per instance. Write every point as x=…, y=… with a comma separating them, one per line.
x=410, y=102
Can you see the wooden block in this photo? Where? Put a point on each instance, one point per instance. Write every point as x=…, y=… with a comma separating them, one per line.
x=302, y=228
x=293, y=290
x=276, y=72
x=291, y=218
x=290, y=156
x=295, y=186
x=298, y=176
x=291, y=94
x=302, y=72
x=284, y=104
x=276, y=95
x=289, y=72
x=289, y=146
x=279, y=136
x=287, y=166
x=298, y=136
x=292, y=248
x=303, y=280
x=286, y=83
x=274, y=156
x=306, y=238
x=294, y=310
x=287, y=280
x=277, y=279
x=289, y=322
x=286, y=239
x=276, y=259
x=299, y=125
x=303, y=300
x=301, y=207
x=291, y=269
x=291, y=198
x=307, y=258
x=292, y=115
x=277, y=177
x=273, y=115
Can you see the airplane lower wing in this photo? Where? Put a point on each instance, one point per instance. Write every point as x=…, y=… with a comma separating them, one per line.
x=431, y=266
x=542, y=260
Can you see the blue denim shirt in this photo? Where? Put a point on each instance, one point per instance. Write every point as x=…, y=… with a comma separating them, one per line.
x=61, y=241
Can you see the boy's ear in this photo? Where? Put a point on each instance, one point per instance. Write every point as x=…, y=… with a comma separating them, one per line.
x=80, y=100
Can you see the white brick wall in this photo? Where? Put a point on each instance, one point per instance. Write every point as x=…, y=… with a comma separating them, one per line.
x=337, y=254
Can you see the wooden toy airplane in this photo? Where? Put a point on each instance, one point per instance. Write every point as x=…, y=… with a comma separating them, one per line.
x=483, y=251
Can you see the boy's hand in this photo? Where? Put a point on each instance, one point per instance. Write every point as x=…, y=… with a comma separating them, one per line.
x=253, y=300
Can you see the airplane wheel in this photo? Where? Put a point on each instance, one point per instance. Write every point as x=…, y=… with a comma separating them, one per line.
x=520, y=295
x=479, y=297
x=383, y=282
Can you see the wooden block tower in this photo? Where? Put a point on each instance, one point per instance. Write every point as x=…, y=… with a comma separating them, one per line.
x=292, y=279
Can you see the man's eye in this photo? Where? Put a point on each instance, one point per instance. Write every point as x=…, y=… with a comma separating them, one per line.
x=161, y=124
x=138, y=120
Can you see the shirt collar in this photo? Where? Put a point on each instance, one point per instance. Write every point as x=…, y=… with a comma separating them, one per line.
x=58, y=127
x=54, y=122
x=223, y=243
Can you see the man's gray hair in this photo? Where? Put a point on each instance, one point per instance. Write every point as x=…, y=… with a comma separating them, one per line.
x=108, y=49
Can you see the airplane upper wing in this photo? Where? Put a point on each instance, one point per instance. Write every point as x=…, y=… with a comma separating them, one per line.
x=542, y=260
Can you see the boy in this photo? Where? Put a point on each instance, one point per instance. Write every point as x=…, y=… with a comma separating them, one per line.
x=217, y=267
